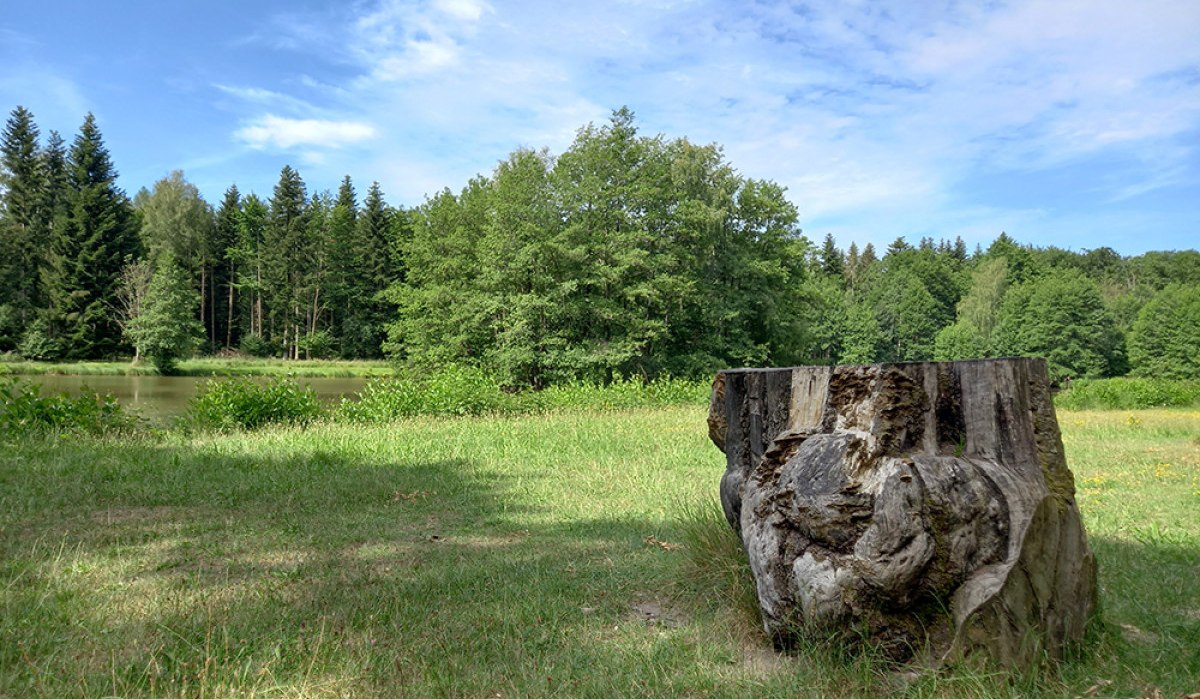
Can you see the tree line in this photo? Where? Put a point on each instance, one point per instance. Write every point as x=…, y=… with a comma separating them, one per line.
x=625, y=255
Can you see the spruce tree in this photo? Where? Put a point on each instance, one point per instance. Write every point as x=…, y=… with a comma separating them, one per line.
x=96, y=239
x=224, y=277
x=284, y=255
x=831, y=260
x=375, y=258
x=343, y=272
x=53, y=159
x=23, y=225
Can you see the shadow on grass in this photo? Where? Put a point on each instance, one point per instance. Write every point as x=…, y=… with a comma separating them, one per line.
x=131, y=567
x=144, y=569
x=1150, y=609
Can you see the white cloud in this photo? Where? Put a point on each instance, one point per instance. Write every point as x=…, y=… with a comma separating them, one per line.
x=882, y=116
x=470, y=10
x=280, y=132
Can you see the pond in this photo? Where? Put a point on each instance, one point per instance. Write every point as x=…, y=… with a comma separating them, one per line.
x=159, y=397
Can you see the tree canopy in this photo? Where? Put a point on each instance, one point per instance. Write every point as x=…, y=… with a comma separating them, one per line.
x=627, y=254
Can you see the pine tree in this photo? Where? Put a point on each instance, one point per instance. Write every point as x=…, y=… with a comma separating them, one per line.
x=252, y=232
x=96, y=239
x=225, y=270
x=343, y=272
x=832, y=262
x=284, y=256
x=53, y=159
x=376, y=260
x=23, y=226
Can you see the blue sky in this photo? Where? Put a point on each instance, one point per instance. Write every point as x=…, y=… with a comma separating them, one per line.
x=1063, y=122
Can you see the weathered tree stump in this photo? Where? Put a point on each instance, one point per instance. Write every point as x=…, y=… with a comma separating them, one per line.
x=926, y=508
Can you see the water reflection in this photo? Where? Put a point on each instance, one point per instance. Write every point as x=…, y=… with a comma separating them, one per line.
x=168, y=396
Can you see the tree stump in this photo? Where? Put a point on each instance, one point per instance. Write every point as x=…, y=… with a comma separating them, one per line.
x=925, y=508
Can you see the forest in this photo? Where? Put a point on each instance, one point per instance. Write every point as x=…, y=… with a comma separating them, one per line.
x=627, y=255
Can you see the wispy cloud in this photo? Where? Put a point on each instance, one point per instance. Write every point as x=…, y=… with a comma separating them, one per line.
x=882, y=121
x=280, y=132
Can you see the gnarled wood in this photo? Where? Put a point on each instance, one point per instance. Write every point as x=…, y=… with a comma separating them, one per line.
x=926, y=507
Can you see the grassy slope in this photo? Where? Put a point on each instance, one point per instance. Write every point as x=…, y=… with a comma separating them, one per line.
x=207, y=366
x=530, y=556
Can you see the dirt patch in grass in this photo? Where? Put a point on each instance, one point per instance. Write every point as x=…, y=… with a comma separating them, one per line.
x=658, y=612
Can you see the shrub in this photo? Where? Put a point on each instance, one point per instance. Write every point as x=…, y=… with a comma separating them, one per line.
x=456, y=390
x=23, y=410
x=1128, y=394
x=37, y=343
x=257, y=346
x=240, y=403
x=469, y=391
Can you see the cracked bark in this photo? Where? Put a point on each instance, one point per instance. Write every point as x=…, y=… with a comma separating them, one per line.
x=926, y=508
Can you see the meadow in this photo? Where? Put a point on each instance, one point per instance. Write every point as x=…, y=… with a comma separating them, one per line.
x=570, y=553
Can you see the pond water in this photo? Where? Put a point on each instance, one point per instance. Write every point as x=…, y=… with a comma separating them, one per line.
x=168, y=396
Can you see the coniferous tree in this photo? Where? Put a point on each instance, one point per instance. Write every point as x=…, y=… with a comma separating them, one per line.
x=378, y=264
x=96, y=238
x=253, y=221
x=832, y=262
x=224, y=330
x=343, y=272
x=285, y=256
x=24, y=226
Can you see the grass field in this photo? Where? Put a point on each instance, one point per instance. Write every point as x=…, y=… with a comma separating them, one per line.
x=208, y=366
x=571, y=554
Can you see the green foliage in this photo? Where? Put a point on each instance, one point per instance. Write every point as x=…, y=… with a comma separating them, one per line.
x=10, y=327
x=91, y=244
x=25, y=411
x=241, y=403
x=457, y=390
x=24, y=224
x=862, y=338
x=1124, y=393
x=625, y=255
x=225, y=272
x=461, y=390
x=257, y=346
x=38, y=343
x=1061, y=317
x=166, y=328
x=959, y=340
x=1165, y=339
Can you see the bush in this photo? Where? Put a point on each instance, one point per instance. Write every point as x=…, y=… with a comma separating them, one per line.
x=626, y=393
x=455, y=390
x=1128, y=394
x=469, y=391
x=37, y=344
x=23, y=410
x=240, y=403
x=257, y=346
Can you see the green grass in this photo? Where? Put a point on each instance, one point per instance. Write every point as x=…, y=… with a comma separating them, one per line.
x=574, y=553
x=1129, y=393
x=208, y=366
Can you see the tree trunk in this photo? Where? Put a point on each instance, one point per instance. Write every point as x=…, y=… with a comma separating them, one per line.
x=926, y=508
x=229, y=311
